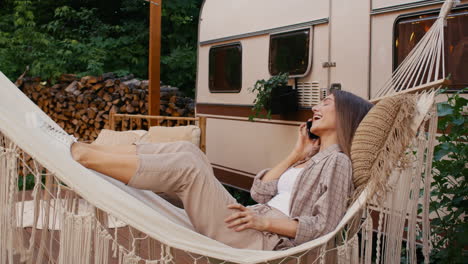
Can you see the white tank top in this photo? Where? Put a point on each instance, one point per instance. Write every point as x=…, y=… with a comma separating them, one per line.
x=286, y=182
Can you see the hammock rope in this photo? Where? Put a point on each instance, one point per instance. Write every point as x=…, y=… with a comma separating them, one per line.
x=424, y=67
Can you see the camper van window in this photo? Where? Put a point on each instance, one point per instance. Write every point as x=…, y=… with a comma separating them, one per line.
x=410, y=29
x=289, y=52
x=225, y=68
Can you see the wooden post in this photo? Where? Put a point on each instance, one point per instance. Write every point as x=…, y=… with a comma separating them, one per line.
x=112, y=120
x=202, y=125
x=154, y=58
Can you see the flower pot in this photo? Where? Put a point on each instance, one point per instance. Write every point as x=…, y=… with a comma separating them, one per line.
x=283, y=100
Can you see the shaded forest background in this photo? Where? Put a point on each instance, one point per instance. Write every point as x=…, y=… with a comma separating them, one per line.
x=89, y=37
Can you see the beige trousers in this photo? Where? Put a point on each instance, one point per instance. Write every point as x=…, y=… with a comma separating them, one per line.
x=181, y=168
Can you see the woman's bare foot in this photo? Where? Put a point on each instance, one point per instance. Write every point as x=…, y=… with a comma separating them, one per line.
x=78, y=151
x=118, y=166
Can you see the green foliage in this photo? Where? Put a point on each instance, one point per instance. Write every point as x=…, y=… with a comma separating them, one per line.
x=179, y=43
x=242, y=197
x=263, y=88
x=17, y=42
x=88, y=37
x=449, y=199
x=72, y=41
x=28, y=182
x=180, y=68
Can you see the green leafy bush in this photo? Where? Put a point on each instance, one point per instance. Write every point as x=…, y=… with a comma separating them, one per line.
x=179, y=43
x=449, y=199
x=72, y=41
x=179, y=67
x=92, y=37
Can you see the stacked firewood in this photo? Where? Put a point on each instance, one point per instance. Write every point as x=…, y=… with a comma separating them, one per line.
x=82, y=105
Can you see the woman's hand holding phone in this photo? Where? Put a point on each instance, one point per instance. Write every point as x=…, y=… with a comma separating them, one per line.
x=305, y=147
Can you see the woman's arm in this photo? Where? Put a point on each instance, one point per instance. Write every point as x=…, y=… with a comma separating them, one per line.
x=328, y=209
x=304, y=147
x=282, y=226
x=279, y=169
x=247, y=219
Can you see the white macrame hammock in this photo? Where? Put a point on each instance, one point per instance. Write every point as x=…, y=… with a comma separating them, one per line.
x=158, y=231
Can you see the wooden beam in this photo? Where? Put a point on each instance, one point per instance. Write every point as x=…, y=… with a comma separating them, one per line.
x=156, y=117
x=154, y=71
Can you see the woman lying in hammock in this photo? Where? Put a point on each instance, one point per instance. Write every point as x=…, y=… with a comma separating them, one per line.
x=301, y=198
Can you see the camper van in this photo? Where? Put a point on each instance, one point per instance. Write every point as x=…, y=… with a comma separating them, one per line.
x=340, y=44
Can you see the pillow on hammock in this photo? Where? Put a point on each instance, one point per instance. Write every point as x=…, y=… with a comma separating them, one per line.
x=380, y=140
x=111, y=137
x=158, y=134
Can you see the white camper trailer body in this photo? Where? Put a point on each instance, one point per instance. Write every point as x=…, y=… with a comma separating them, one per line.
x=351, y=43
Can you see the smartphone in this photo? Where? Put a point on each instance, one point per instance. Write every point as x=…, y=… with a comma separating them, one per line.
x=311, y=136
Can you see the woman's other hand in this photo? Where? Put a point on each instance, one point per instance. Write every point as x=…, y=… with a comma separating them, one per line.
x=245, y=218
x=305, y=147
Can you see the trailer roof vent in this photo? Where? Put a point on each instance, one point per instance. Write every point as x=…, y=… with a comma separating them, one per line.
x=308, y=93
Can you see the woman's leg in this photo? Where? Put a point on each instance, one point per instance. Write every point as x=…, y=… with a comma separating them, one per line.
x=111, y=149
x=184, y=173
x=116, y=165
x=204, y=198
x=152, y=148
x=145, y=148
x=171, y=147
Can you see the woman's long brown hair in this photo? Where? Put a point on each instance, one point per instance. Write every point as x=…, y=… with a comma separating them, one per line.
x=350, y=110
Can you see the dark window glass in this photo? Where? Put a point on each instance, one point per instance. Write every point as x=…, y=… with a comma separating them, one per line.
x=225, y=68
x=409, y=31
x=289, y=52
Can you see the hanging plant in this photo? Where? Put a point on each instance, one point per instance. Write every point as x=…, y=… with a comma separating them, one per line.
x=267, y=91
